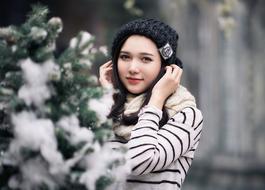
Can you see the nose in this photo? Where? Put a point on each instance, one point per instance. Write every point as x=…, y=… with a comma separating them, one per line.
x=133, y=67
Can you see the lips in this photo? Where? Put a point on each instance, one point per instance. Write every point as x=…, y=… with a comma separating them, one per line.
x=133, y=80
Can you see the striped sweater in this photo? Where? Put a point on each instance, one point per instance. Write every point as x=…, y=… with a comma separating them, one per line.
x=160, y=158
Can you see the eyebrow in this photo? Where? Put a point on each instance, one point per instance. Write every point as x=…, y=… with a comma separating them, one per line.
x=142, y=53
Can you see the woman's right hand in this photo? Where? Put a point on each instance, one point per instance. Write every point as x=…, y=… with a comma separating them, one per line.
x=105, y=74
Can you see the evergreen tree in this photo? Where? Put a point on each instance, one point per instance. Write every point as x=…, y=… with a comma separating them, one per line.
x=50, y=135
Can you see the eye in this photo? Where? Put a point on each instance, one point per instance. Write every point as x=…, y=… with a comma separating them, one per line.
x=146, y=59
x=124, y=57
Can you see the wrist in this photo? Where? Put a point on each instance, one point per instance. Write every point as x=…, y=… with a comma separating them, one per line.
x=156, y=101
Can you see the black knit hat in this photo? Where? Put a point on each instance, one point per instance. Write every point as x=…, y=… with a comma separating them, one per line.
x=165, y=38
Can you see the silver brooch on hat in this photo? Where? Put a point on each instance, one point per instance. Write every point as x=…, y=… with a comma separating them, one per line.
x=166, y=51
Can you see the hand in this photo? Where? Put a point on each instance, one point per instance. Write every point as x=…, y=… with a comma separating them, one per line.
x=105, y=75
x=166, y=86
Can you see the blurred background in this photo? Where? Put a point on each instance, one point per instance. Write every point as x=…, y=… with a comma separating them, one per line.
x=222, y=46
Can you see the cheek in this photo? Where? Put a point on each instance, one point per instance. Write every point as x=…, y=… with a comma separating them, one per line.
x=121, y=68
x=153, y=75
x=154, y=70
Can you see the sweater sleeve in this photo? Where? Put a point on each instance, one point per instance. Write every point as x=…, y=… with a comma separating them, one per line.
x=152, y=149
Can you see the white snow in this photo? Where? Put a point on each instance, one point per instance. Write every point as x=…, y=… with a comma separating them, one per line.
x=35, y=91
x=102, y=106
x=38, y=33
x=84, y=38
x=57, y=22
x=77, y=133
x=36, y=134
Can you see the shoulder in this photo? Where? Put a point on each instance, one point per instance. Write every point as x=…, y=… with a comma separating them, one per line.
x=191, y=116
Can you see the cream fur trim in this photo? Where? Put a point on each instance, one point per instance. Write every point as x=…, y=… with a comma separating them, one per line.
x=181, y=99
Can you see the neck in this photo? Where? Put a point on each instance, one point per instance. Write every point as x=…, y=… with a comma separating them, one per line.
x=130, y=96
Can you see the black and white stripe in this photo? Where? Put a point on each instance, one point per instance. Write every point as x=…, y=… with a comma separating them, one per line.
x=163, y=156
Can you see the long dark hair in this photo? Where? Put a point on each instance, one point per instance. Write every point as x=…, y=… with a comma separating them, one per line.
x=119, y=97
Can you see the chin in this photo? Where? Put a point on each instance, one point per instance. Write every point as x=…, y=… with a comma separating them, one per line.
x=136, y=91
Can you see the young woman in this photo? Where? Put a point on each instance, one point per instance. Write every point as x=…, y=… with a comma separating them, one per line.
x=153, y=115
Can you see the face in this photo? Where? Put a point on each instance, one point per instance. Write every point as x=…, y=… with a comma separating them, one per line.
x=139, y=63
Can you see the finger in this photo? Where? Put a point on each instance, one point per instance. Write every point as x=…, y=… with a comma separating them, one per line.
x=175, y=71
x=107, y=64
x=168, y=70
x=108, y=69
x=103, y=71
x=175, y=66
x=103, y=68
x=105, y=79
x=179, y=75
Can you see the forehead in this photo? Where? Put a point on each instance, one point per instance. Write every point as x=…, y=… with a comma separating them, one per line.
x=138, y=43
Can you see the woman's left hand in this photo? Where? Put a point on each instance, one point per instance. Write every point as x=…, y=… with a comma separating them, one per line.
x=166, y=86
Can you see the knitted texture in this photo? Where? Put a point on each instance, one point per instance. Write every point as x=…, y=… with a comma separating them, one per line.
x=160, y=33
x=181, y=99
